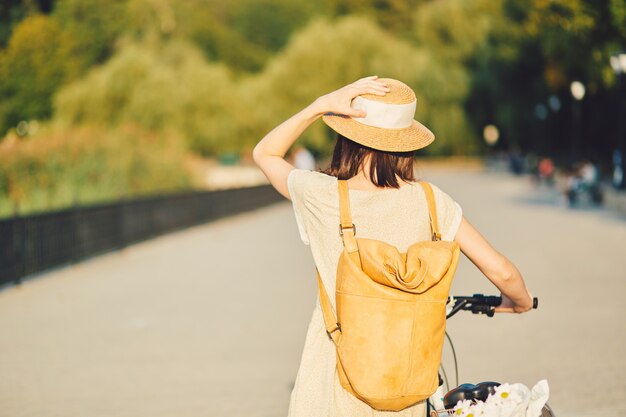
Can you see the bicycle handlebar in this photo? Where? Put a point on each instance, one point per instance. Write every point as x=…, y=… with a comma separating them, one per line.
x=478, y=304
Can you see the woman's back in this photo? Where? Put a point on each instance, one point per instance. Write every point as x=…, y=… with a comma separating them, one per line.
x=398, y=216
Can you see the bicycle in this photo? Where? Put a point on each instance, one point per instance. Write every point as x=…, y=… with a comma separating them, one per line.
x=477, y=304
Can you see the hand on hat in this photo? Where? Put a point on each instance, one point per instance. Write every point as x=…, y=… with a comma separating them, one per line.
x=339, y=101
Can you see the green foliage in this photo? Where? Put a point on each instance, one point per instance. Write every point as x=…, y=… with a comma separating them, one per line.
x=174, y=88
x=473, y=41
x=209, y=28
x=534, y=50
x=617, y=9
x=456, y=28
x=31, y=69
x=222, y=74
x=330, y=53
x=241, y=34
x=269, y=23
x=88, y=165
x=393, y=15
x=166, y=88
x=563, y=28
x=93, y=25
x=11, y=13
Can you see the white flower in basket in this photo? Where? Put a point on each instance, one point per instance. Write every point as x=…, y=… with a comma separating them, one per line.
x=509, y=400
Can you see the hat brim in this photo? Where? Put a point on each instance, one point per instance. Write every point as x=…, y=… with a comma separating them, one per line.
x=411, y=138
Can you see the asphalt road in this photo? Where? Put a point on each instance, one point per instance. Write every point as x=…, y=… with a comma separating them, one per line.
x=211, y=321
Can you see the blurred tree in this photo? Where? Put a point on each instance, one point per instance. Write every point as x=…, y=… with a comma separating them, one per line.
x=13, y=11
x=537, y=51
x=162, y=88
x=617, y=10
x=330, y=53
x=472, y=62
x=455, y=29
x=269, y=23
x=242, y=35
x=393, y=15
x=172, y=87
x=31, y=69
x=94, y=27
x=562, y=29
x=476, y=37
x=246, y=33
x=211, y=29
x=206, y=23
x=59, y=168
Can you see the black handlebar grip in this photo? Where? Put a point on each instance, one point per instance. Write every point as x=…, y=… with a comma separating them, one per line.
x=493, y=300
x=535, y=302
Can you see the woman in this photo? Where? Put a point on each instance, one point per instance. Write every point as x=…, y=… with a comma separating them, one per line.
x=377, y=140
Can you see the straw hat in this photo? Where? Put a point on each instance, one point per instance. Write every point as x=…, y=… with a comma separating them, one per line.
x=389, y=123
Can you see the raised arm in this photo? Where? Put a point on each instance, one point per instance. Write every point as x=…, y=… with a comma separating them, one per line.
x=496, y=267
x=269, y=153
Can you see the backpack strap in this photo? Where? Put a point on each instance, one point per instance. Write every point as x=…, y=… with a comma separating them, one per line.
x=432, y=210
x=347, y=229
x=333, y=329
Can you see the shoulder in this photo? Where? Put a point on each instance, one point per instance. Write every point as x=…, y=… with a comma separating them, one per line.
x=449, y=212
x=441, y=197
x=440, y=194
x=307, y=189
x=304, y=182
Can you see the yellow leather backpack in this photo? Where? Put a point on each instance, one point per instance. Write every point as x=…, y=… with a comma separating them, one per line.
x=391, y=312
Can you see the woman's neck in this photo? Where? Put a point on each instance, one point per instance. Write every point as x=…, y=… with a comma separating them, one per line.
x=361, y=181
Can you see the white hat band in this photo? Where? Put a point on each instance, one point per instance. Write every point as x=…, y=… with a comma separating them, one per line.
x=385, y=115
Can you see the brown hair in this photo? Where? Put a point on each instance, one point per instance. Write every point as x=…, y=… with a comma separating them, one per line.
x=349, y=157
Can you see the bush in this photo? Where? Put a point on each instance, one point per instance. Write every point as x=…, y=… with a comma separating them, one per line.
x=31, y=69
x=159, y=88
x=86, y=165
x=171, y=86
x=94, y=27
x=328, y=54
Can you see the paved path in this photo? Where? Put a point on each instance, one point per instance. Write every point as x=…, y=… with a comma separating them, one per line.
x=210, y=321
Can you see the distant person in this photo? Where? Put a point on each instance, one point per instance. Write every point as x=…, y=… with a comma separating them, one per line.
x=618, y=179
x=530, y=164
x=516, y=161
x=582, y=180
x=374, y=154
x=572, y=185
x=590, y=181
x=303, y=158
x=588, y=173
x=546, y=170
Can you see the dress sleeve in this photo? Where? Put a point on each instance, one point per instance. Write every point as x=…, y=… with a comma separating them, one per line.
x=298, y=191
x=449, y=214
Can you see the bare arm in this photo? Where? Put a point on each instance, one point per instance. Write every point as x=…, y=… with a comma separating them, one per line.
x=496, y=267
x=269, y=153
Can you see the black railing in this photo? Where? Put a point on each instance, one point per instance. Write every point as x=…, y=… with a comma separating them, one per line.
x=38, y=242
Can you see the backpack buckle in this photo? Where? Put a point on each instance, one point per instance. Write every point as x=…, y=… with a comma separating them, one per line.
x=353, y=227
x=333, y=331
x=436, y=236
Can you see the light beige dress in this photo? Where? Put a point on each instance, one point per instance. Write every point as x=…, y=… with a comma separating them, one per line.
x=396, y=216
